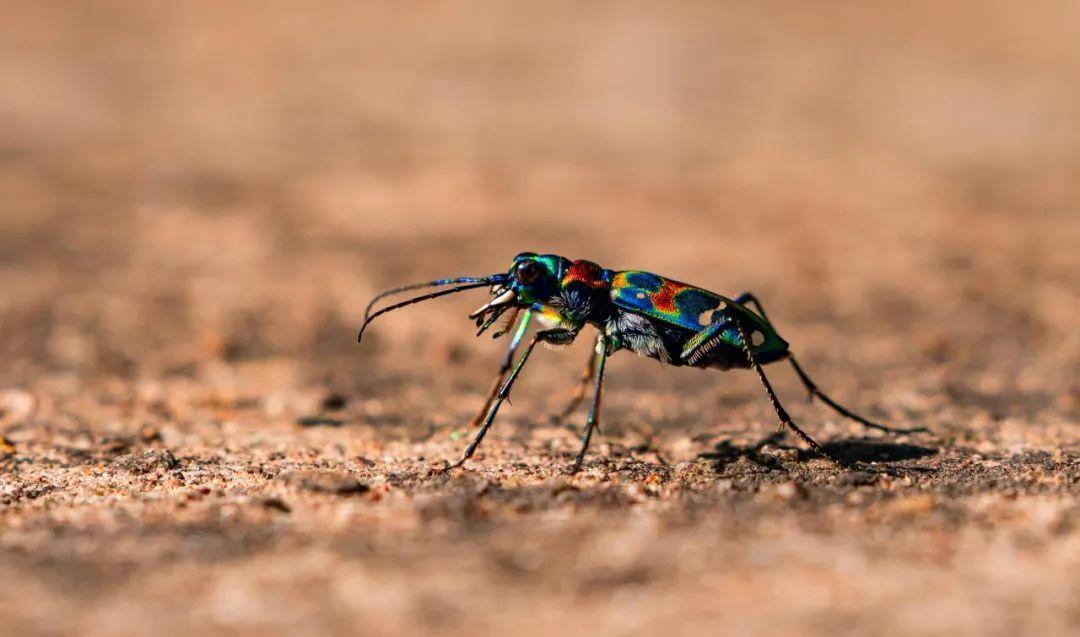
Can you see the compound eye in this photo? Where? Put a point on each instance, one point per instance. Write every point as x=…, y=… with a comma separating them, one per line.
x=527, y=272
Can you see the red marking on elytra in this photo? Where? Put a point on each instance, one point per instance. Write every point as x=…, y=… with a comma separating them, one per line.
x=586, y=272
x=664, y=298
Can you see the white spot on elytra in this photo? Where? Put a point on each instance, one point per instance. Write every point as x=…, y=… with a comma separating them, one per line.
x=639, y=295
x=757, y=338
x=705, y=319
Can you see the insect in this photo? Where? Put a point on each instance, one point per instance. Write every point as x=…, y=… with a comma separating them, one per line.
x=653, y=316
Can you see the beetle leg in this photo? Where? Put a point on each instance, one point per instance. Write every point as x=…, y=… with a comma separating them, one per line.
x=706, y=341
x=587, y=375
x=748, y=297
x=515, y=341
x=594, y=410
x=781, y=413
x=554, y=336
x=812, y=388
x=840, y=409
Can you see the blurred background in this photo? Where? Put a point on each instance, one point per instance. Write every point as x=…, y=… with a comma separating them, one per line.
x=232, y=179
x=208, y=193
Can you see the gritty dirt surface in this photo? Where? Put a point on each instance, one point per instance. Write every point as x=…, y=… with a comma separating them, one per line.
x=197, y=201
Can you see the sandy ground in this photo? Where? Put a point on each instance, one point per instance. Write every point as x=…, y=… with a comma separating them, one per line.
x=196, y=204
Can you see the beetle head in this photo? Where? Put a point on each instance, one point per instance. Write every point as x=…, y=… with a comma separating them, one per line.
x=531, y=278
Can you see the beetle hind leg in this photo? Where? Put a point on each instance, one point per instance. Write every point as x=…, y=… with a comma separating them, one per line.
x=844, y=411
x=705, y=342
x=813, y=389
x=781, y=413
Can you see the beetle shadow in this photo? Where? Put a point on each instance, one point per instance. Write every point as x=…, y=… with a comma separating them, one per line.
x=725, y=453
x=855, y=450
x=876, y=450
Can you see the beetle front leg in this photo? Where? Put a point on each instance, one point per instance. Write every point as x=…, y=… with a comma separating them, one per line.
x=515, y=341
x=555, y=337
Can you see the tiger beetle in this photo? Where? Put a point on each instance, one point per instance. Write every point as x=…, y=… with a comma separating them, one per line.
x=650, y=315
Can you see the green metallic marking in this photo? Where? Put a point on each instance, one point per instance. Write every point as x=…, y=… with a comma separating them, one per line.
x=522, y=327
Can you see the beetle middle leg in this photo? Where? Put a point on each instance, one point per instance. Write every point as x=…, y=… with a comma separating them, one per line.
x=812, y=388
x=587, y=375
x=601, y=355
x=553, y=336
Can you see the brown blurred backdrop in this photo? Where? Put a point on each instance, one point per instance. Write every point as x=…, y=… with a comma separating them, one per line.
x=204, y=195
